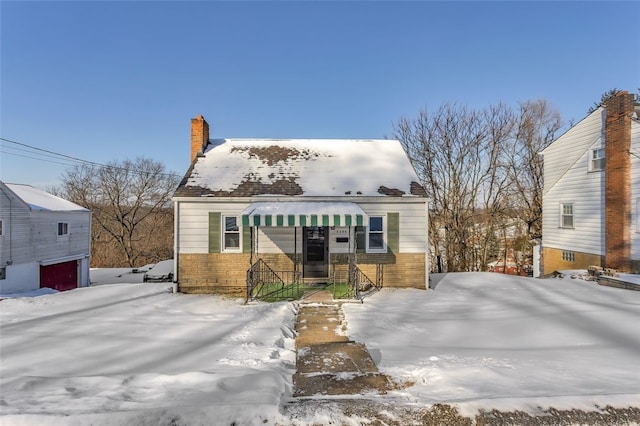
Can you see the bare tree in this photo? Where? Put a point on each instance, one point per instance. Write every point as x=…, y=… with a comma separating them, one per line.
x=482, y=171
x=130, y=201
x=537, y=126
x=456, y=152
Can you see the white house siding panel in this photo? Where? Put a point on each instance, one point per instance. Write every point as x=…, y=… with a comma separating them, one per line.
x=635, y=190
x=21, y=277
x=413, y=225
x=193, y=223
x=16, y=241
x=568, y=150
x=193, y=220
x=49, y=245
x=568, y=180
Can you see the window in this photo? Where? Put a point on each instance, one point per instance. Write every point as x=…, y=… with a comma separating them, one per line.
x=566, y=215
x=63, y=229
x=375, y=234
x=596, y=162
x=231, y=239
x=1, y=233
x=568, y=256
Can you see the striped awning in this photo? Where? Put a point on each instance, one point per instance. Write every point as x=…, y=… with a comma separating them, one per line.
x=304, y=213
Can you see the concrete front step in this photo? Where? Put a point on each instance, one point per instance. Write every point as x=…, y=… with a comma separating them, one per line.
x=339, y=384
x=335, y=357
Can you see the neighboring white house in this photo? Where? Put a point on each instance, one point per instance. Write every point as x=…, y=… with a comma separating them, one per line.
x=45, y=240
x=308, y=207
x=591, y=197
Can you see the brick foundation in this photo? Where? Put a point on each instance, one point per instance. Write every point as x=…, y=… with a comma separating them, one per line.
x=552, y=260
x=226, y=273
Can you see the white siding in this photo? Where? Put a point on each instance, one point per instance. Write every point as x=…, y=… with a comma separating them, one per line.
x=193, y=223
x=635, y=190
x=15, y=242
x=568, y=180
x=30, y=237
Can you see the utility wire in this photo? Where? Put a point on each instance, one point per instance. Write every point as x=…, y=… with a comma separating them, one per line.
x=75, y=161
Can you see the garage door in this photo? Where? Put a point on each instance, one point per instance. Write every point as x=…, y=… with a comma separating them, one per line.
x=61, y=276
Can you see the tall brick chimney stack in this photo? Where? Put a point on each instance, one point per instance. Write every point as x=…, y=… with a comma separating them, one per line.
x=618, y=181
x=199, y=135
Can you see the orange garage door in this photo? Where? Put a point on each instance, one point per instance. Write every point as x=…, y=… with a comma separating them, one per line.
x=61, y=276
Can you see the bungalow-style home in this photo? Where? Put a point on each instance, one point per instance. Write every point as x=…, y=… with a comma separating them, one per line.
x=297, y=210
x=591, y=197
x=45, y=241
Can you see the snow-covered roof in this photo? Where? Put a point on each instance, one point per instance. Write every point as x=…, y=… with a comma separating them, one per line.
x=37, y=199
x=301, y=167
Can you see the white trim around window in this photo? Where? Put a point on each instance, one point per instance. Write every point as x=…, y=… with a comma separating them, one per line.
x=567, y=215
x=638, y=215
x=231, y=234
x=63, y=229
x=377, y=234
x=596, y=159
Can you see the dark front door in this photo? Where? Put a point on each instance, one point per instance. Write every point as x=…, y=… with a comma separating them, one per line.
x=315, y=252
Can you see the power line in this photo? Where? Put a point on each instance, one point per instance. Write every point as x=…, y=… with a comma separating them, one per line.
x=36, y=158
x=75, y=161
x=54, y=153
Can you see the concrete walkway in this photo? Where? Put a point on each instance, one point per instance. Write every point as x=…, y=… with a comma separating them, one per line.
x=328, y=362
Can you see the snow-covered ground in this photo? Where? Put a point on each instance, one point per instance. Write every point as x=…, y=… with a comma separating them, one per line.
x=137, y=354
x=484, y=340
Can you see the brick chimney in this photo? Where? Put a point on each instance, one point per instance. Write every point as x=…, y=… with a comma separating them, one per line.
x=618, y=181
x=199, y=135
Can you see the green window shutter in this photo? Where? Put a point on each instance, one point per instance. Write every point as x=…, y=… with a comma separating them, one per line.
x=361, y=239
x=214, y=232
x=393, y=232
x=246, y=239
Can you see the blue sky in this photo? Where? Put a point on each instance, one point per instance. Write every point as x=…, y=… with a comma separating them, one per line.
x=107, y=81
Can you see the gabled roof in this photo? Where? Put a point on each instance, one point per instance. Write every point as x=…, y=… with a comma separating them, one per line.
x=301, y=167
x=39, y=200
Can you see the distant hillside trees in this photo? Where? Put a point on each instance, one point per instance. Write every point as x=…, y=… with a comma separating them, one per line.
x=482, y=171
x=132, y=221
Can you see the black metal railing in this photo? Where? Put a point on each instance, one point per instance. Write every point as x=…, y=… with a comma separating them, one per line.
x=269, y=285
x=355, y=284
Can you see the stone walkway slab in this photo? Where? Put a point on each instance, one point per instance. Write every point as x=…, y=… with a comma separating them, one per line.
x=328, y=362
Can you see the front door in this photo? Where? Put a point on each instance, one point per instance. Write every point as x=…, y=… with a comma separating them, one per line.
x=315, y=252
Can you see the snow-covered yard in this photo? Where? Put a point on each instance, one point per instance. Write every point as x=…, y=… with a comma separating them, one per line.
x=138, y=354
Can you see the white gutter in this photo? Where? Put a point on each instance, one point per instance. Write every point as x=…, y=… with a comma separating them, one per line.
x=426, y=246
x=176, y=239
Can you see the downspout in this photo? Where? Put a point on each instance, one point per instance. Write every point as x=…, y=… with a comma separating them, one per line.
x=426, y=246
x=176, y=244
x=295, y=254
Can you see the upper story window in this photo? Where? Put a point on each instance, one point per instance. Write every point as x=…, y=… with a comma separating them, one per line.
x=375, y=234
x=1, y=230
x=231, y=238
x=596, y=160
x=566, y=215
x=63, y=229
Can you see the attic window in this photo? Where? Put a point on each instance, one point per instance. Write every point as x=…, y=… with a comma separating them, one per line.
x=596, y=161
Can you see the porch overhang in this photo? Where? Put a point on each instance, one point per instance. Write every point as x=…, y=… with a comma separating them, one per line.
x=304, y=213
